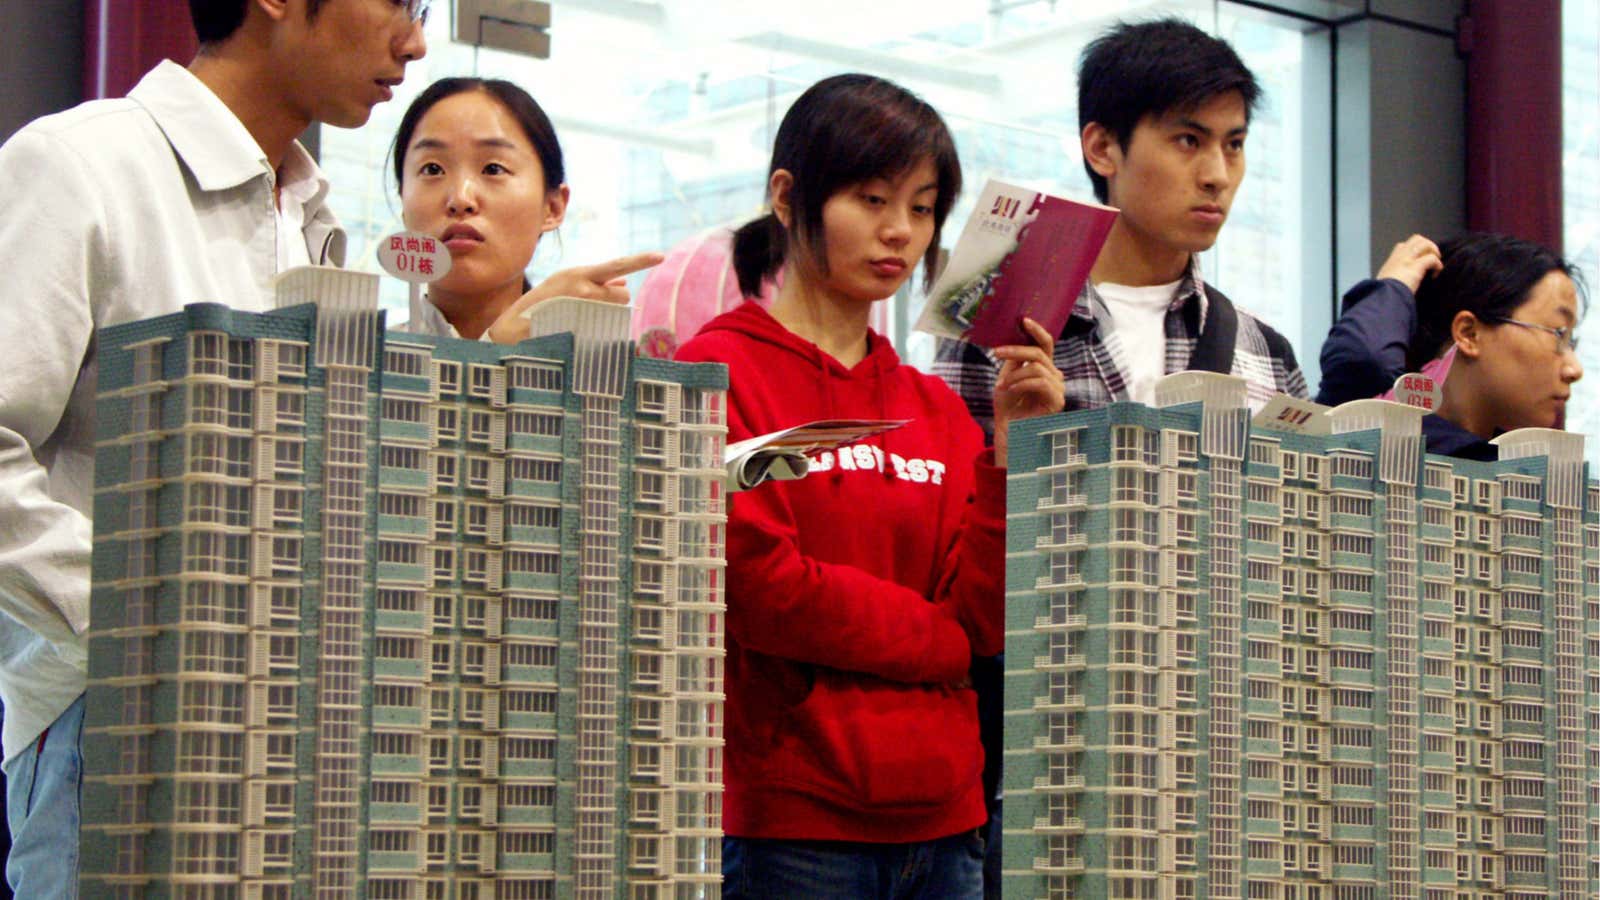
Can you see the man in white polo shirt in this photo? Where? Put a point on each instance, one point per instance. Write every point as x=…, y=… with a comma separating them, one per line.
x=190, y=189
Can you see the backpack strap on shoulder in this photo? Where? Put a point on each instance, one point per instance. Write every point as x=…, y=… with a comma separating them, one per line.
x=1213, y=350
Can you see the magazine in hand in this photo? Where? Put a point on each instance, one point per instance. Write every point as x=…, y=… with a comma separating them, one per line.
x=1023, y=253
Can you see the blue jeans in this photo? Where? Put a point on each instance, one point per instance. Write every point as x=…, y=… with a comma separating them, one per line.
x=991, y=856
x=44, y=788
x=950, y=867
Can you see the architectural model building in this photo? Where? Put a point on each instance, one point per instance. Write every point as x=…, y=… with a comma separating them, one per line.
x=1245, y=663
x=385, y=616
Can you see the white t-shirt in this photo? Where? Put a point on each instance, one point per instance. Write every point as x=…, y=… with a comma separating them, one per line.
x=1138, y=316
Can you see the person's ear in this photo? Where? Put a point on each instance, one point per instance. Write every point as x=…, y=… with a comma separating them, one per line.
x=276, y=10
x=1101, y=150
x=555, y=208
x=779, y=187
x=1467, y=333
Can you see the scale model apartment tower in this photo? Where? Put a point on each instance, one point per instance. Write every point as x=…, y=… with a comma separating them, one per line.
x=386, y=616
x=1244, y=663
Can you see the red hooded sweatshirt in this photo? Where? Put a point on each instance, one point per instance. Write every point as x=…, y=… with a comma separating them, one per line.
x=856, y=598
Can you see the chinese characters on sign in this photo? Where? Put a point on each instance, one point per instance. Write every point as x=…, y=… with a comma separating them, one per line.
x=413, y=257
x=1416, y=389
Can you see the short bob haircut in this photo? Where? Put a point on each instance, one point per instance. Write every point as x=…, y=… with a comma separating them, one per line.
x=217, y=20
x=523, y=108
x=841, y=132
x=1488, y=275
x=1151, y=69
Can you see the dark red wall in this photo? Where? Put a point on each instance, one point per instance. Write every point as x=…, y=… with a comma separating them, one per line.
x=122, y=40
x=1514, y=118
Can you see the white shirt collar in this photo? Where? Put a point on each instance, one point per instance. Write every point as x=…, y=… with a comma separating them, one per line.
x=301, y=192
x=211, y=140
x=300, y=178
x=427, y=319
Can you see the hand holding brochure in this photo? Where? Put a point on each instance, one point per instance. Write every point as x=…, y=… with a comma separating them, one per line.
x=784, y=455
x=1023, y=253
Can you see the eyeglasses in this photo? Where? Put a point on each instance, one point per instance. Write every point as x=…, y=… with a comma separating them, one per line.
x=1566, y=341
x=416, y=10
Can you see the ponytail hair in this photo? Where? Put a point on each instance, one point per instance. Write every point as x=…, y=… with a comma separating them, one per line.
x=840, y=132
x=758, y=250
x=1488, y=275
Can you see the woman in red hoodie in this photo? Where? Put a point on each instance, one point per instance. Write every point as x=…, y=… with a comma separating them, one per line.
x=858, y=595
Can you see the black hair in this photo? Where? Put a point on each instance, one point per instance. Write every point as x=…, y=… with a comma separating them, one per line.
x=1488, y=275
x=843, y=131
x=217, y=20
x=529, y=115
x=1145, y=69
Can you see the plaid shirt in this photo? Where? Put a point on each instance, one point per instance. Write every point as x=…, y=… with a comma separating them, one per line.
x=1090, y=354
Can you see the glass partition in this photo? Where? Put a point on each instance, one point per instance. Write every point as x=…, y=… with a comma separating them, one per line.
x=1580, y=157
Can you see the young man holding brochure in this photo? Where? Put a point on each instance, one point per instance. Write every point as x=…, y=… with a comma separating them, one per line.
x=1163, y=110
x=191, y=189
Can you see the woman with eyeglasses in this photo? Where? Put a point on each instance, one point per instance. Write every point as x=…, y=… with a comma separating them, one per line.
x=1492, y=314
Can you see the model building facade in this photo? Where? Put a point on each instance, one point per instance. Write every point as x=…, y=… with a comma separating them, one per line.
x=1258, y=664
x=387, y=616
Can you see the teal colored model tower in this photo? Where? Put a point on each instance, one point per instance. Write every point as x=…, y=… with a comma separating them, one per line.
x=386, y=616
x=1246, y=663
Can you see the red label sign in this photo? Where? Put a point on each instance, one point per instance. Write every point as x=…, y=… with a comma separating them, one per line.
x=1417, y=389
x=413, y=257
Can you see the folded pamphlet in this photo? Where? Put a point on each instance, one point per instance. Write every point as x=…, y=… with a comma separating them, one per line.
x=784, y=455
x=1023, y=253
